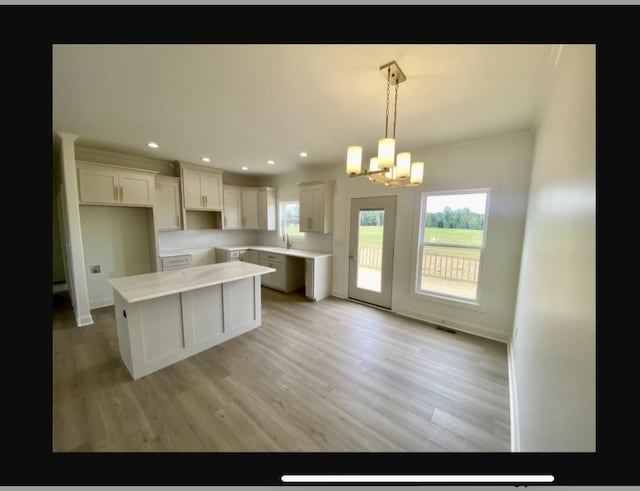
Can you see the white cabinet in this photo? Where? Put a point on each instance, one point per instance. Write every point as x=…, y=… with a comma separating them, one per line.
x=266, y=208
x=201, y=188
x=249, y=208
x=316, y=206
x=289, y=274
x=250, y=256
x=232, y=214
x=166, y=208
x=318, y=278
x=100, y=184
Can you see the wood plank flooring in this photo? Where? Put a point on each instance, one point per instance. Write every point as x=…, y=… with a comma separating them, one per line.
x=329, y=376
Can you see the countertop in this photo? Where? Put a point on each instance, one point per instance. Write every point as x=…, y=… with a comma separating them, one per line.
x=278, y=250
x=153, y=285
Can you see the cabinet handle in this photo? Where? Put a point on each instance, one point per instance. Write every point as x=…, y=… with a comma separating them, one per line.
x=115, y=193
x=121, y=194
x=309, y=223
x=206, y=201
x=225, y=221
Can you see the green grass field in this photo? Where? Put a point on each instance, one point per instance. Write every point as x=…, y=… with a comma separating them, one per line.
x=372, y=235
x=293, y=231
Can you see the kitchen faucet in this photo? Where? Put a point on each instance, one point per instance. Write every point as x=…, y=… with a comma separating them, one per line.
x=285, y=237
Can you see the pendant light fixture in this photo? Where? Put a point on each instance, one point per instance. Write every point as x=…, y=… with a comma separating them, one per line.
x=387, y=168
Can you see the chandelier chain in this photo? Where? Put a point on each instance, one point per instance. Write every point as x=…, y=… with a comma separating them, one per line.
x=395, y=112
x=386, y=121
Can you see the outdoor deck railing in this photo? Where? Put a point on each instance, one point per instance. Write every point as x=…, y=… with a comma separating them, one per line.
x=436, y=265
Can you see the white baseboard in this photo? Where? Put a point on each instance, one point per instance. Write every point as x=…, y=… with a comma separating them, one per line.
x=457, y=325
x=84, y=320
x=513, y=401
x=60, y=287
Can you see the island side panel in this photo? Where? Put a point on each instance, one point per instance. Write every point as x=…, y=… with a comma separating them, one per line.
x=122, y=326
x=202, y=317
x=155, y=333
x=241, y=305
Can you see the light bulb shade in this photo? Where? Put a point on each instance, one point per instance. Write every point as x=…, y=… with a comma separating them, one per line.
x=354, y=160
x=373, y=164
x=403, y=165
x=386, y=152
x=417, y=173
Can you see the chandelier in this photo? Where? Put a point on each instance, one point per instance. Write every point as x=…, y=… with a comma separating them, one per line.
x=387, y=168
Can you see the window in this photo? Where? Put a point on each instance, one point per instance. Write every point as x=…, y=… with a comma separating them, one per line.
x=452, y=237
x=290, y=219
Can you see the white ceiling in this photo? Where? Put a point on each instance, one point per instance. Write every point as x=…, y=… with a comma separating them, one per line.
x=245, y=104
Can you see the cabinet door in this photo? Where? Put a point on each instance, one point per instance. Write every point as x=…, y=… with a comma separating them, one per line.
x=136, y=188
x=306, y=205
x=192, y=190
x=250, y=209
x=266, y=209
x=316, y=223
x=167, y=204
x=232, y=208
x=97, y=184
x=212, y=191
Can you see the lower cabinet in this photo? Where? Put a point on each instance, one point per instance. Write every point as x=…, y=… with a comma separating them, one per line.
x=289, y=274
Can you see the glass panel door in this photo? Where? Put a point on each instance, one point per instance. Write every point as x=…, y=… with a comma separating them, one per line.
x=371, y=249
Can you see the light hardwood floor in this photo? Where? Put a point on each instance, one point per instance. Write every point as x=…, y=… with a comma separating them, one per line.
x=327, y=376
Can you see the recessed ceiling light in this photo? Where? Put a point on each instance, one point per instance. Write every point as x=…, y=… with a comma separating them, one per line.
x=303, y=154
x=270, y=162
x=244, y=167
x=152, y=144
x=206, y=159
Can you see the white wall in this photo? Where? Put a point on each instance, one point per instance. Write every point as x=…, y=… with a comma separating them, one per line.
x=287, y=190
x=553, y=347
x=501, y=163
x=116, y=238
x=201, y=243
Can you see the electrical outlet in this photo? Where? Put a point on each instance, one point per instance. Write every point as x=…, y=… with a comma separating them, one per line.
x=95, y=268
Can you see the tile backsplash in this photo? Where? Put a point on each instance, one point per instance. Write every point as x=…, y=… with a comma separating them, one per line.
x=178, y=240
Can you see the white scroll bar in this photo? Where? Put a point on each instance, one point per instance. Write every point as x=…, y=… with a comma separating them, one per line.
x=418, y=478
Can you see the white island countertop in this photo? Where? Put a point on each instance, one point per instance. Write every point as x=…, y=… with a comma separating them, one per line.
x=279, y=250
x=153, y=285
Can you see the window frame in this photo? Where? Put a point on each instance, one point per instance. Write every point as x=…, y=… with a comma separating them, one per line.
x=281, y=228
x=439, y=296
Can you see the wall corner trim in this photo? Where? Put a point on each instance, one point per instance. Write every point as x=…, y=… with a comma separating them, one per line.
x=513, y=401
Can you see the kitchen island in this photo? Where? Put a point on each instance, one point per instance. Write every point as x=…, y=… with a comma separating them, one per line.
x=165, y=317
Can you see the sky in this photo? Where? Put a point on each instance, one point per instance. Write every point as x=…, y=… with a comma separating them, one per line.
x=476, y=202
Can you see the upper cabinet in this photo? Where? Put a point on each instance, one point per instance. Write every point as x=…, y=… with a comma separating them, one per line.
x=249, y=208
x=232, y=214
x=112, y=185
x=316, y=206
x=201, y=188
x=167, y=207
x=266, y=208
